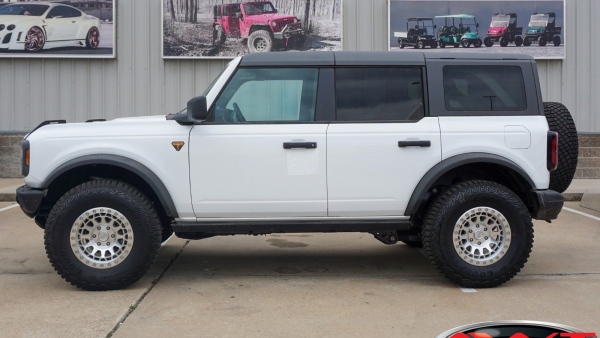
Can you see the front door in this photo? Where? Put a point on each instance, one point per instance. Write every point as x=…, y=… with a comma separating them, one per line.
x=261, y=154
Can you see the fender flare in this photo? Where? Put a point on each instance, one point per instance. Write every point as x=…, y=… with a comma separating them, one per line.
x=125, y=163
x=448, y=164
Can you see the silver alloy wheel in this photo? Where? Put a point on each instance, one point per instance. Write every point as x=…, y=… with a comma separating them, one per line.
x=481, y=236
x=101, y=238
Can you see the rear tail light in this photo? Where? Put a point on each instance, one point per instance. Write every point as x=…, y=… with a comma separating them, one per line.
x=26, y=161
x=552, y=158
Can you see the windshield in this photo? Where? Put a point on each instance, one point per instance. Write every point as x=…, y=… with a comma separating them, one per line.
x=259, y=8
x=538, y=20
x=499, y=22
x=29, y=10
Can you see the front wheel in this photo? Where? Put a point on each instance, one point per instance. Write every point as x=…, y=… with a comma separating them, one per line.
x=92, y=41
x=102, y=235
x=34, y=40
x=260, y=41
x=442, y=44
x=478, y=234
x=477, y=43
x=488, y=42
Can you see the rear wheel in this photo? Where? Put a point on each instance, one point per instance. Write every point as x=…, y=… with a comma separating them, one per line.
x=560, y=120
x=518, y=41
x=102, y=235
x=477, y=43
x=542, y=41
x=420, y=45
x=442, y=44
x=504, y=41
x=478, y=234
x=35, y=40
x=556, y=40
x=92, y=41
x=527, y=42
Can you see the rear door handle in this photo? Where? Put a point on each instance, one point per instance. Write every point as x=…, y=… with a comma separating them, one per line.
x=404, y=144
x=300, y=145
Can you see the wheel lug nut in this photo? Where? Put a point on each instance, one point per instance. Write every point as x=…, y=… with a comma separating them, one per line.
x=486, y=237
x=477, y=226
x=107, y=228
x=479, y=243
x=484, y=229
x=98, y=228
x=93, y=236
x=470, y=231
x=99, y=243
x=113, y=236
x=471, y=239
x=107, y=243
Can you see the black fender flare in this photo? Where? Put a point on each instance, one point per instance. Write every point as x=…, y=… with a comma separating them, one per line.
x=448, y=164
x=125, y=163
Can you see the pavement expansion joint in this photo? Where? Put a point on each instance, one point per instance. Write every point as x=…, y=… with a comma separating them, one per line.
x=139, y=301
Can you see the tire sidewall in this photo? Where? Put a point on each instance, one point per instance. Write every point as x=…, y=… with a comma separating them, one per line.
x=61, y=221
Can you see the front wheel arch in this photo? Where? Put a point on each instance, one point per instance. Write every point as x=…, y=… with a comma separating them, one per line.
x=82, y=169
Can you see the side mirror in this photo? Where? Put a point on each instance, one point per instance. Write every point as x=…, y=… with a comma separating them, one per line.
x=196, y=109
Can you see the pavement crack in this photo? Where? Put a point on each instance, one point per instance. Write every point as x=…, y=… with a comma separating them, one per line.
x=134, y=306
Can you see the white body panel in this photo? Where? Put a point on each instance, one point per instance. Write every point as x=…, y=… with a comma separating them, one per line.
x=145, y=140
x=243, y=171
x=401, y=35
x=368, y=174
x=502, y=136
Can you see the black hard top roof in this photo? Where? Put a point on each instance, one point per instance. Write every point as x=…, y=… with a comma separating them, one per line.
x=512, y=15
x=399, y=58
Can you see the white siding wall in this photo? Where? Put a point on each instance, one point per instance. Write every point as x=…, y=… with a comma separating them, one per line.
x=139, y=82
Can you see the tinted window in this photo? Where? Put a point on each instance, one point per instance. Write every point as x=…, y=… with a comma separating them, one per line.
x=268, y=94
x=63, y=12
x=379, y=94
x=484, y=88
x=71, y=12
x=32, y=10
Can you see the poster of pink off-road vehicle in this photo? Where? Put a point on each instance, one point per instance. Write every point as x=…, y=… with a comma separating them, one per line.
x=228, y=28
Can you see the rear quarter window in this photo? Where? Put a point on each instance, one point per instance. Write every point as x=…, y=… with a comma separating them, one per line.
x=484, y=88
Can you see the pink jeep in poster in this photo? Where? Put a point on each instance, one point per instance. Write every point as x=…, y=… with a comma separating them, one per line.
x=260, y=23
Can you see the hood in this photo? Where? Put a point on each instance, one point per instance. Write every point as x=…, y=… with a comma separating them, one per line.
x=275, y=16
x=535, y=29
x=470, y=36
x=496, y=30
x=138, y=119
x=17, y=19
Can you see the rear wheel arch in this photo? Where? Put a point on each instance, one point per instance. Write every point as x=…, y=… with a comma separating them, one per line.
x=468, y=167
x=86, y=168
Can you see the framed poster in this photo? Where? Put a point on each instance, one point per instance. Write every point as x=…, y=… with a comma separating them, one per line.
x=534, y=27
x=65, y=29
x=230, y=28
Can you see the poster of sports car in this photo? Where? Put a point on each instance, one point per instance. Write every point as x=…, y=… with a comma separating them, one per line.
x=57, y=29
x=533, y=27
x=230, y=28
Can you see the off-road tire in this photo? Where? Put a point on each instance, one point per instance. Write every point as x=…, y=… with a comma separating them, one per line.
x=439, y=230
x=477, y=43
x=504, y=41
x=518, y=41
x=130, y=203
x=420, y=45
x=560, y=120
x=260, y=41
x=556, y=41
x=488, y=42
x=526, y=42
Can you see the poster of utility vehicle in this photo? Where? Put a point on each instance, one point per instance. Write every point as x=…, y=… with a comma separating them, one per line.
x=534, y=27
x=59, y=29
x=229, y=28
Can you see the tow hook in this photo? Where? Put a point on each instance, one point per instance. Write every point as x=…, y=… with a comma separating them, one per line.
x=386, y=237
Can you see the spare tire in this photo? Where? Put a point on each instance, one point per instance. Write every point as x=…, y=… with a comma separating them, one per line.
x=560, y=121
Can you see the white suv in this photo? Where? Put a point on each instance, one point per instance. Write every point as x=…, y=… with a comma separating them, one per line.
x=452, y=152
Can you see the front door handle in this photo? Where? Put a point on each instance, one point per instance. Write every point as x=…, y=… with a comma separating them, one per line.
x=300, y=145
x=404, y=144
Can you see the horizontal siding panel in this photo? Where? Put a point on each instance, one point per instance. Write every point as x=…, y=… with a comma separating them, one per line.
x=140, y=82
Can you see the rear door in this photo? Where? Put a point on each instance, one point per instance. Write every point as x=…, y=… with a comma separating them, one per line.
x=381, y=144
x=262, y=154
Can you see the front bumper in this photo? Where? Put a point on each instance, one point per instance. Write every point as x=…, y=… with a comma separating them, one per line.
x=30, y=200
x=288, y=31
x=547, y=204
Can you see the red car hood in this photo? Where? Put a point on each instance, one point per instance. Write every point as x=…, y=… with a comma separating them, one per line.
x=495, y=31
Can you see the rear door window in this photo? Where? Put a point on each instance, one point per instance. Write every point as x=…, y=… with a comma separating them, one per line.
x=484, y=88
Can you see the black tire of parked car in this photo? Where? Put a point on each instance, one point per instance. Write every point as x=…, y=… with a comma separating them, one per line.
x=260, y=41
x=488, y=42
x=144, y=231
x=504, y=41
x=560, y=120
x=449, y=209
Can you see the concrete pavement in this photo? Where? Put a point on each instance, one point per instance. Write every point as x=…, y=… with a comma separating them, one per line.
x=297, y=285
